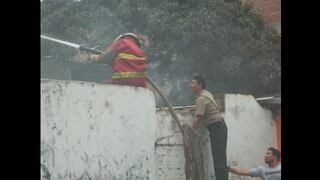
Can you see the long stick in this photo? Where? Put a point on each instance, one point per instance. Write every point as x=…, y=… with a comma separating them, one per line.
x=77, y=46
x=80, y=47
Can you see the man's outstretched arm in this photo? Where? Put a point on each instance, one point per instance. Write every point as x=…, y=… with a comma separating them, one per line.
x=240, y=171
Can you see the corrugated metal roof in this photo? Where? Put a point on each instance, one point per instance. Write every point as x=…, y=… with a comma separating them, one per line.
x=270, y=100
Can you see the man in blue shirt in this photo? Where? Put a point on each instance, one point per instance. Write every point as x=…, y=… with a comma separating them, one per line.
x=270, y=172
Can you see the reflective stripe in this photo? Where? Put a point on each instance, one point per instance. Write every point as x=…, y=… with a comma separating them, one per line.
x=126, y=56
x=117, y=75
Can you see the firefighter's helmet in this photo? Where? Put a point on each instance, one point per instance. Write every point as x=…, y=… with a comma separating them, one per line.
x=132, y=35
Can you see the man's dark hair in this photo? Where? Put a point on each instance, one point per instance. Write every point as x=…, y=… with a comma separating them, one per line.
x=200, y=80
x=275, y=152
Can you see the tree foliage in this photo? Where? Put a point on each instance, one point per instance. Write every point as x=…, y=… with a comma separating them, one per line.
x=222, y=40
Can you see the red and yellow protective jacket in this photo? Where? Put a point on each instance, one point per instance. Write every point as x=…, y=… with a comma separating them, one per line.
x=130, y=65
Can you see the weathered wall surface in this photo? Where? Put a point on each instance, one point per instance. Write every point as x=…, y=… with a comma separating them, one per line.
x=169, y=148
x=251, y=130
x=97, y=131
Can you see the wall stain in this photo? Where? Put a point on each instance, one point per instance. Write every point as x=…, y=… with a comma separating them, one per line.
x=45, y=172
x=107, y=104
x=85, y=176
x=233, y=163
x=47, y=156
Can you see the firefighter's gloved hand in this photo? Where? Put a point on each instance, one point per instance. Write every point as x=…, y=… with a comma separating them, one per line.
x=94, y=57
x=80, y=57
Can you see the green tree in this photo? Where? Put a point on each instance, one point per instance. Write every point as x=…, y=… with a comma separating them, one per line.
x=223, y=40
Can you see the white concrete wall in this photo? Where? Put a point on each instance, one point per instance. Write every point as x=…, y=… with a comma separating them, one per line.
x=100, y=131
x=97, y=131
x=169, y=148
x=251, y=130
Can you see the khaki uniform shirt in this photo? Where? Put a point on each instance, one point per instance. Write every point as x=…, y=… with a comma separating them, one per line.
x=206, y=108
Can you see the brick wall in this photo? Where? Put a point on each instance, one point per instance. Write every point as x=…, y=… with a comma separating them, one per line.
x=269, y=9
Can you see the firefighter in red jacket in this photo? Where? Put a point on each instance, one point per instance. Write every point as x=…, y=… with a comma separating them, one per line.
x=129, y=62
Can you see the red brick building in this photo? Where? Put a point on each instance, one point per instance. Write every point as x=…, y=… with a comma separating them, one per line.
x=270, y=10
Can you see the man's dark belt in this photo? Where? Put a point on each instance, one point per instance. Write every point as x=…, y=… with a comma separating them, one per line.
x=216, y=121
x=219, y=120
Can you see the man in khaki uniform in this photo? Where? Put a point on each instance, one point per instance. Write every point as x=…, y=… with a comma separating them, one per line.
x=209, y=116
